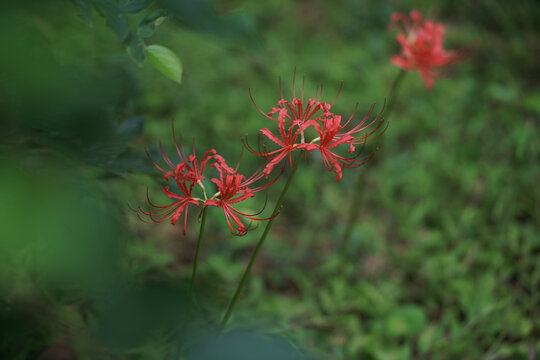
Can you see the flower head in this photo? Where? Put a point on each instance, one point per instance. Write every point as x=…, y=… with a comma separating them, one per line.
x=332, y=135
x=293, y=118
x=188, y=169
x=296, y=116
x=187, y=174
x=232, y=189
x=421, y=46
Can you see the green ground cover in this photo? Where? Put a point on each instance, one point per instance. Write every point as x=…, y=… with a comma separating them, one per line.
x=443, y=258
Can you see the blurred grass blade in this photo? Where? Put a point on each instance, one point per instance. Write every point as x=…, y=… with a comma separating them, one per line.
x=165, y=61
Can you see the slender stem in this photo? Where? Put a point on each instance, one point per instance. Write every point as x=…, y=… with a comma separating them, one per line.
x=356, y=202
x=247, y=271
x=393, y=91
x=196, y=260
x=191, y=305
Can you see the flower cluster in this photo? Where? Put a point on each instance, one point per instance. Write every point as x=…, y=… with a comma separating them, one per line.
x=188, y=175
x=296, y=120
x=296, y=116
x=421, y=46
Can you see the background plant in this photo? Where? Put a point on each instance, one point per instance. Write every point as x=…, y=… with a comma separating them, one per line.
x=443, y=259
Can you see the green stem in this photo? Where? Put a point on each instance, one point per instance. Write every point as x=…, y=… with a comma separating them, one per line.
x=190, y=313
x=356, y=202
x=247, y=271
x=196, y=260
x=393, y=91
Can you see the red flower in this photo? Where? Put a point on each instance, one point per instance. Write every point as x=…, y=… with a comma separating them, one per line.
x=331, y=135
x=188, y=169
x=232, y=189
x=287, y=143
x=172, y=211
x=296, y=116
x=421, y=46
x=188, y=172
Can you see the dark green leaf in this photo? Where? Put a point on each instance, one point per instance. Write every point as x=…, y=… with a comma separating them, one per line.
x=164, y=60
x=86, y=8
x=200, y=15
x=135, y=47
x=150, y=22
x=109, y=151
x=239, y=345
x=125, y=162
x=130, y=128
x=133, y=6
x=116, y=20
x=133, y=313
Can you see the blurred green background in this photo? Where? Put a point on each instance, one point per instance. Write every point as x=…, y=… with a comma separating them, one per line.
x=443, y=258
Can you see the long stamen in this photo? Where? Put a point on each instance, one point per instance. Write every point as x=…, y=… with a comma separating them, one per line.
x=339, y=91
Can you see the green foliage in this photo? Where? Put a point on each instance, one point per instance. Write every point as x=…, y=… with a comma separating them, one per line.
x=115, y=14
x=443, y=262
x=150, y=22
x=165, y=61
x=245, y=345
x=133, y=6
x=405, y=320
x=199, y=15
x=202, y=16
x=116, y=20
x=135, y=47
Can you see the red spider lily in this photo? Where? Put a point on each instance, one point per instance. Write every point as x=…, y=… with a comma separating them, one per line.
x=188, y=169
x=232, y=189
x=421, y=46
x=172, y=211
x=293, y=119
x=294, y=111
x=331, y=136
x=187, y=173
x=297, y=118
x=287, y=143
